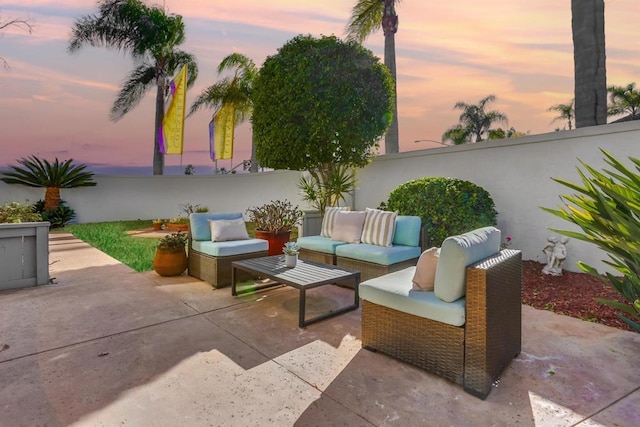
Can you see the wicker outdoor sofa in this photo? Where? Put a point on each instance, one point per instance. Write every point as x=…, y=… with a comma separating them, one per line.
x=211, y=261
x=370, y=259
x=471, y=341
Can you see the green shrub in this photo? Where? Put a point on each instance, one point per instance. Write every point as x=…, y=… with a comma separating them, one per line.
x=607, y=209
x=59, y=216
x=13, y=212
x=447, y=206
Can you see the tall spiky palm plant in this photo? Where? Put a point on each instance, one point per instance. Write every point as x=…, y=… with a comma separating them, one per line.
x=567, y=112
x=52, y=176
x=368, y=16
x=475, y=120
x=235, y=91
x=151, y=37
x=624, y=99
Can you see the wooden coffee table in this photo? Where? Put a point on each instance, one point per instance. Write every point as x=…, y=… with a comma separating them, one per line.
x=305, y=275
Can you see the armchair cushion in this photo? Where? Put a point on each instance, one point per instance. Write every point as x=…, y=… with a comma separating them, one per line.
x=393, y=290
x=425, y=275
x=407, y=230
x=348, y=226
x=228, y=229
x=379, y=227
x=329, y=220
x=383, y=255
x=230, y=248
x=199, y=223
x=319, y=244
x=456, y=253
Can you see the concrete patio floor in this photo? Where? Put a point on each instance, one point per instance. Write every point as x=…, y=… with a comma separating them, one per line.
x=106, y=346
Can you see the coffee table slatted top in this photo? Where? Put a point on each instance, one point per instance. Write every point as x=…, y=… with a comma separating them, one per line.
x=306, y=273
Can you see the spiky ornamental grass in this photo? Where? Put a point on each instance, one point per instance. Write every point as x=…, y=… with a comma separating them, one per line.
x=607, y=209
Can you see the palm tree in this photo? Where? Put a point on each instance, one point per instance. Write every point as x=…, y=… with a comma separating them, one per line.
x=52, y=176
x=458, y=134
x=151, y=37
x=368, y=16
x=474, y=121
x=590, y=72
x=235, y=91
x=624, y=100
x=567, y=112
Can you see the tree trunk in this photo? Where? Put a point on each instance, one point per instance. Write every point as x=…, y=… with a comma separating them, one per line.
x=51, y=198
x=589, y=57
x=254, y=163
x=390, y=27
x=158, y=157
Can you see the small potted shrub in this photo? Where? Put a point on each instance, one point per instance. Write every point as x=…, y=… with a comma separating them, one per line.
x=157, y=224
x=180, y=223
x=274, y=222
x=171, y=255
x=290, y=250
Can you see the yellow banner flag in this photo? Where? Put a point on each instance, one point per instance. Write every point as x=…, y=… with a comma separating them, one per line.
x=224, y=124
x=173, y=122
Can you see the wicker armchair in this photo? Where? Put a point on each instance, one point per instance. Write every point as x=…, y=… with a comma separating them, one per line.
x=472, y=355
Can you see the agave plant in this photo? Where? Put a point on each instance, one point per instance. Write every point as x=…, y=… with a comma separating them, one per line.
x=52, y=176
x=607, y=209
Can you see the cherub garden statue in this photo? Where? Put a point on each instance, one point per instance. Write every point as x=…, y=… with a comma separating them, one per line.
x=556, y=252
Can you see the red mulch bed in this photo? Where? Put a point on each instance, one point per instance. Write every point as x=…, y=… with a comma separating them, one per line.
x=571, y=294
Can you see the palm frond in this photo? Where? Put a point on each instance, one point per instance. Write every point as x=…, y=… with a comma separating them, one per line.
x=133, y=90
x=366, y=18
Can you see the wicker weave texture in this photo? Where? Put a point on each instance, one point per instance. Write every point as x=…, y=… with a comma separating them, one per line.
x=369, y=270
x=493, y=319
x=433, y=346
x=473, y=355
x=217, y=270
x=318, y=256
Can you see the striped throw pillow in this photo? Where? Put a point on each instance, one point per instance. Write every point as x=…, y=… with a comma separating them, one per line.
x=379, y=227
x=329, y=219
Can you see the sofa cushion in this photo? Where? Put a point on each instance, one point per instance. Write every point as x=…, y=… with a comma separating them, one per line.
x=329, y=220
x=456, y=253
x=228, y=229
x=348, y=226
x=199, y=223
x=319, y=244
x=425, y=275
x=232, y=247
x=407, y=230
x=379, y=227
x=393, y=290
x=383, y=255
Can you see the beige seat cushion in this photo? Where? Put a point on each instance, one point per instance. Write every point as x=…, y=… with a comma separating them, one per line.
x=425, y=275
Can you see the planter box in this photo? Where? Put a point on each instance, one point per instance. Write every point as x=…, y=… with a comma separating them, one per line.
x=24, y=255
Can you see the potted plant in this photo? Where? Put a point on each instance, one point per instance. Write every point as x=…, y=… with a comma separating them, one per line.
x=171, y=255
x=157, y=224
x=24, y=244
x=290, y=250
x=274, y=222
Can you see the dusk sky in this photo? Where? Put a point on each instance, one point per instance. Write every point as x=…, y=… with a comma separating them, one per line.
x=54, y=104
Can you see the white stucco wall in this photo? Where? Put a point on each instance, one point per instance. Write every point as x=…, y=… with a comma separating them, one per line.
x=517, y=173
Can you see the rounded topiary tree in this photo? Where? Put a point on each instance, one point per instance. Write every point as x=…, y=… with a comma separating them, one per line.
x=320, y=104
x=447, y=206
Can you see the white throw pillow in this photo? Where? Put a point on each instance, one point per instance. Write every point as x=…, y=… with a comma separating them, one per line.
x=425, y=275
x=228, y=229
x=379, y=227
x=348, y=226
x=329, y=220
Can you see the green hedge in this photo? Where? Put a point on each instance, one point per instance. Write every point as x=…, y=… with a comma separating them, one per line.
x=447, y=206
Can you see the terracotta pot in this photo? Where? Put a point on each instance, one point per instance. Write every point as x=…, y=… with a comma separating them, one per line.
x=157, y=226
x=170, y=262
x=276, y=240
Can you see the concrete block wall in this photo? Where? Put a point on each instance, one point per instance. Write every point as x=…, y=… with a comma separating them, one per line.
x=517, y=173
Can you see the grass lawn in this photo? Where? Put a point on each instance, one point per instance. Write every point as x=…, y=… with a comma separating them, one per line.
x=136, y=252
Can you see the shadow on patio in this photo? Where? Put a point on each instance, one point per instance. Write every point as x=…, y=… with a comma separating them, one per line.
x=105, y=345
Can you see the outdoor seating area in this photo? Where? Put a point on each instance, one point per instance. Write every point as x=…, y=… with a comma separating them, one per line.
x=104, y=345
